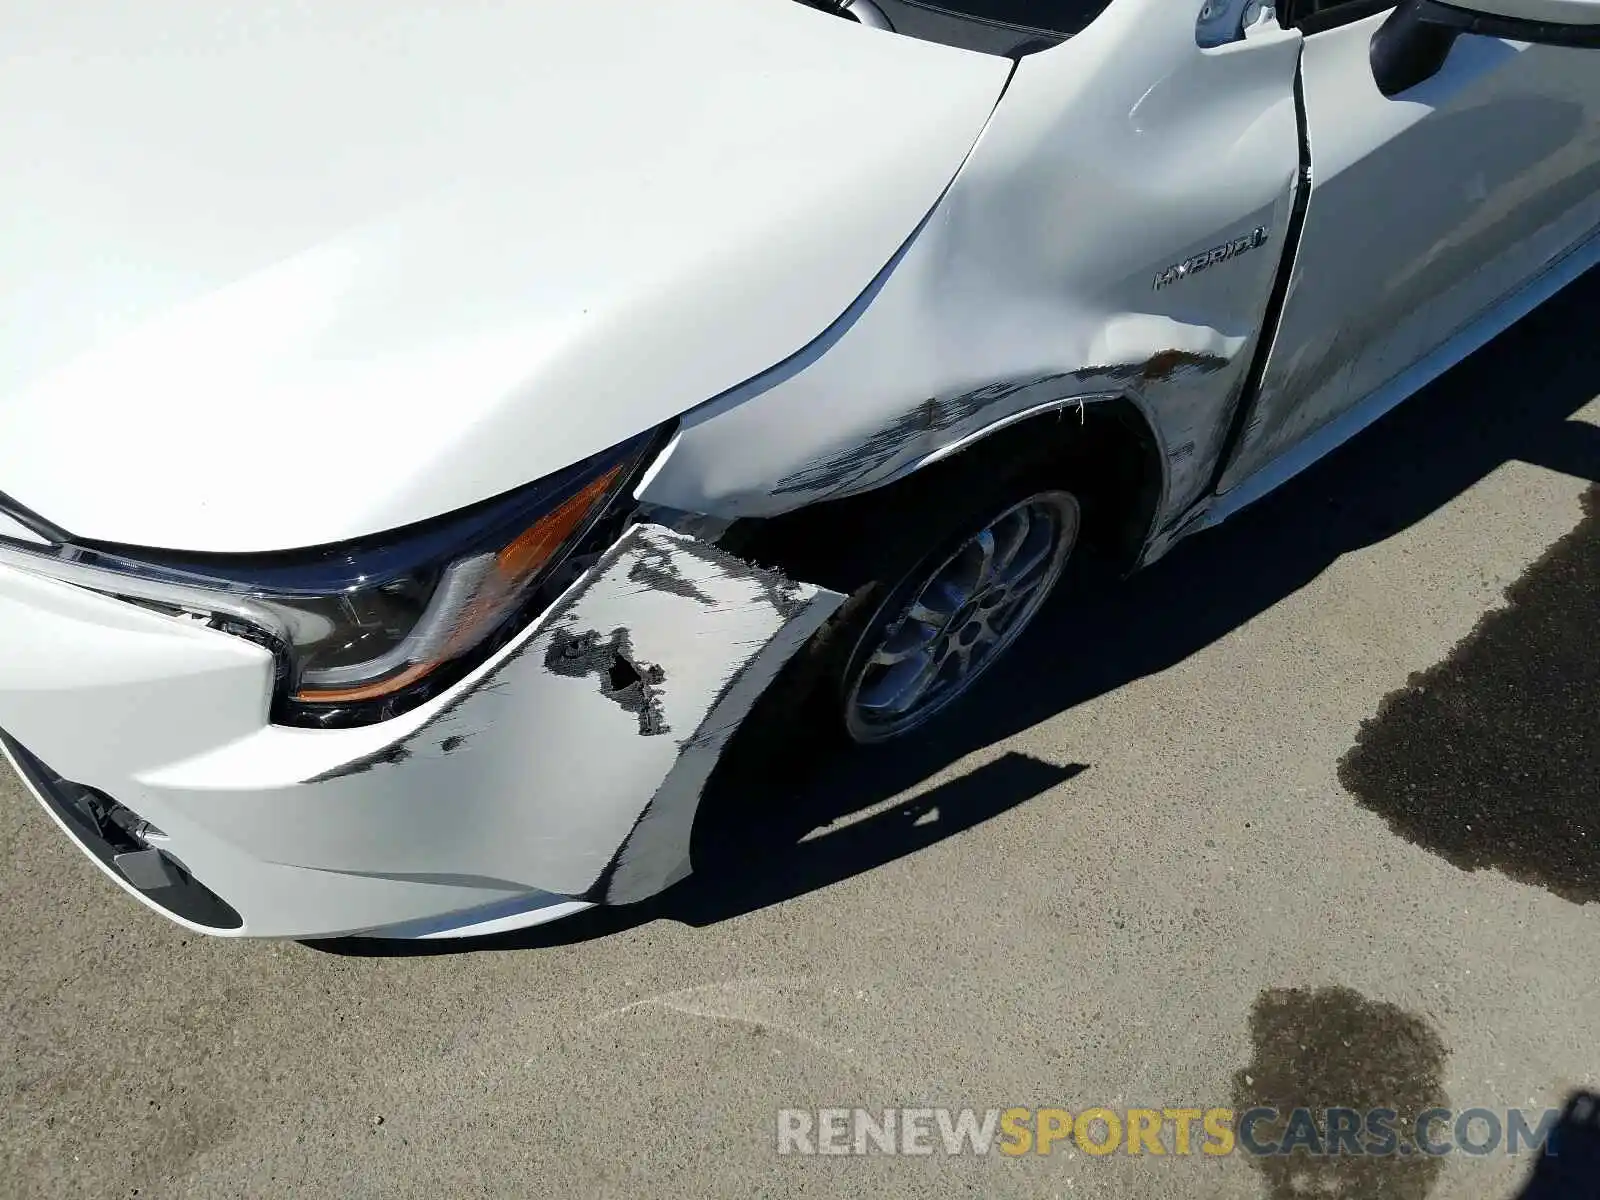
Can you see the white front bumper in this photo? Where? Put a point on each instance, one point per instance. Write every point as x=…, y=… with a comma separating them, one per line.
x=565, y=771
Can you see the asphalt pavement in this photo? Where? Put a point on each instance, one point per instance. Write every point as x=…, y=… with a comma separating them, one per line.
x=1304, y=815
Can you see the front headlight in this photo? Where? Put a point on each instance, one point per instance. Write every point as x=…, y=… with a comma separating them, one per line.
x=363, y=631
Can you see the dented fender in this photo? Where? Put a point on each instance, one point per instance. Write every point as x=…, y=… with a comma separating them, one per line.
x=1043, y=280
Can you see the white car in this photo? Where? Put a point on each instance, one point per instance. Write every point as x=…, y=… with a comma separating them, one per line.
x=439, y=442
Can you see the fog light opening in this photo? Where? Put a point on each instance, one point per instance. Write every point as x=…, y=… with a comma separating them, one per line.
x=122, y=840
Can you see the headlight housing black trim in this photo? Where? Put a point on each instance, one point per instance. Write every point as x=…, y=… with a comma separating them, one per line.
x=362, y=631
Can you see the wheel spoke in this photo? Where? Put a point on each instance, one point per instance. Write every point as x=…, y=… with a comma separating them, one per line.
x=961, y=658
x=899, y=687
x=1019, y=597
x=913, y=637
x=1018, y=527
x=934, y=608
x=1025, y=586
x=1022, y=564
x=1000, y=619
x=985, y=546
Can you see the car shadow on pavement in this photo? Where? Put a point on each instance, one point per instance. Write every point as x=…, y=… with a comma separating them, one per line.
x=1569, y=1169
x=843, y=842
x=1515, y=400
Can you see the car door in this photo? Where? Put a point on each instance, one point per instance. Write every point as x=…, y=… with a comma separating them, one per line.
x=1427, y=211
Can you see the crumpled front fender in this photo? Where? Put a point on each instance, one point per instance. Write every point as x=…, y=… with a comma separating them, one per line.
x=568, y=768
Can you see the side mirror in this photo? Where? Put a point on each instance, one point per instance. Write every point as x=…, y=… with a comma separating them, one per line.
x=1412, y=45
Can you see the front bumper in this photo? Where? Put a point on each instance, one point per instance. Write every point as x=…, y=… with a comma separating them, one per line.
x=564, y=772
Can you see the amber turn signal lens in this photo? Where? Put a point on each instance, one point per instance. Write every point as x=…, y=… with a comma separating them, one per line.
x=532, y=550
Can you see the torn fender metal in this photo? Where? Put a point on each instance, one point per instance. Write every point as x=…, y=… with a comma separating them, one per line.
x=569, y=766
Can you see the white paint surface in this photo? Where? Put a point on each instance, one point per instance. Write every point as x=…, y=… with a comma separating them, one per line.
x=518, y=780
x=379, y=260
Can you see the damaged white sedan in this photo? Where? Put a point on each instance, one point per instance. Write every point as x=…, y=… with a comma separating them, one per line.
x=439, y=441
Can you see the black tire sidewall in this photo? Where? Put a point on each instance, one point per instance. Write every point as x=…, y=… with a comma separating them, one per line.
x=798, y=722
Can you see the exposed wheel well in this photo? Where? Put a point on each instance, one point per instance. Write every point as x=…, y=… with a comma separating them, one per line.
x=1107, y=455
x=865, y=546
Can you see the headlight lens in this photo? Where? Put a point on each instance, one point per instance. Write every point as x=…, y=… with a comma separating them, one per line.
x=369, y=643
x=364, y=631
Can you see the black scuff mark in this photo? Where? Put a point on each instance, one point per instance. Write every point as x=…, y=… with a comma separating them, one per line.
x=493, y=685
x=711, y=728
x=714, y=727
x=656, y=569
x=559, y=616
x=1491, y=759
x=708, y=733
x=1172, y=365
x=405, y=750
x=784, y=594
x=938, y=414
x=555, y=619
x=1123, y=374
x=389, y=756
x=599, y=892
x=874, y=451
x=1167, y=366
x=630, y=683
x=1333, y=1048
x=787, y=598
x=932, y=416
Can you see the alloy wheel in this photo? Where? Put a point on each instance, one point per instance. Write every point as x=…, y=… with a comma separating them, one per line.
x=960, y=617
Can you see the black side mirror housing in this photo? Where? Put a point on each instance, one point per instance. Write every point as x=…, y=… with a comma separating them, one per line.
x=1412, y=45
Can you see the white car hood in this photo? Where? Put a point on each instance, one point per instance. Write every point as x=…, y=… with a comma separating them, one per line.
x=276, y=275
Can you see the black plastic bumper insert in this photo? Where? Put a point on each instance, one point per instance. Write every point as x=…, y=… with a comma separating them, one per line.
x=111, y=832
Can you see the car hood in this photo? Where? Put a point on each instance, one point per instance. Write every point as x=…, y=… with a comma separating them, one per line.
x=276, y=275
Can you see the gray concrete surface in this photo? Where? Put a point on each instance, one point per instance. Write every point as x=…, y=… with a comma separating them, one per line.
x=1131, y=876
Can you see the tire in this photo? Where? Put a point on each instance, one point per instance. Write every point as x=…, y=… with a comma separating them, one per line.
x=876, y=549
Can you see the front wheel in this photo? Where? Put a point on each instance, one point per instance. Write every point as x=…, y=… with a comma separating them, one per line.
x=953, y=615
x=941, y=577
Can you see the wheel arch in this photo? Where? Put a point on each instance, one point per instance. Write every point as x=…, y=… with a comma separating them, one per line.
x=1108, y=451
